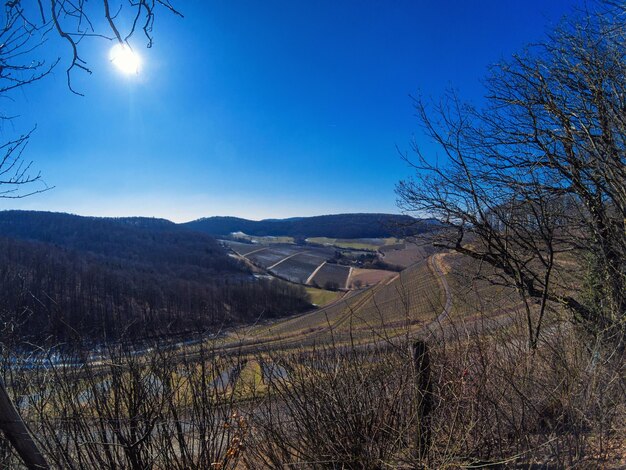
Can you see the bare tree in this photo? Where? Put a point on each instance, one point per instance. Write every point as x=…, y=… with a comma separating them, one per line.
x=533, y=185
x=24, y=29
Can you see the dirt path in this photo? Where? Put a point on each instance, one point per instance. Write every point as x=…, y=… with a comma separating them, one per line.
x=310, y=278
x=392, y=279
x=252, y=252
x=285, y=259
x=436, y=268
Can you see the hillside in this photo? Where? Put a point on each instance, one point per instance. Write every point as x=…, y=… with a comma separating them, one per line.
x=66, y=277
x=126, y=239
x=333, y=226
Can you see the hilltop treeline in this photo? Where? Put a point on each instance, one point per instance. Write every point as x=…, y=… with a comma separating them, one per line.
x=69, y=278
x=333, y=226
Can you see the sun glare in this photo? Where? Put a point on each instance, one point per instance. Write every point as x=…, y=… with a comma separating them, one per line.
x=125, y=59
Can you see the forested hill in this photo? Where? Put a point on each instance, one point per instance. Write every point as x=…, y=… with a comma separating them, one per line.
x=137, y=240
x=333, y=226
x=65, y=278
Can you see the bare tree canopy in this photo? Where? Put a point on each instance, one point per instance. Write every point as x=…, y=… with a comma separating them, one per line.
x=534, y=183
x=25, y=28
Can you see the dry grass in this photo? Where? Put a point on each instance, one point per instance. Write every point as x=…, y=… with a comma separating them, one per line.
x=322, y=297
x=369, y=277
x=406, y=304
x=354, y=243
x=337, y=388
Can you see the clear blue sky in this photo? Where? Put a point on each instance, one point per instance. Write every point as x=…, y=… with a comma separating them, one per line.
x=262, y=109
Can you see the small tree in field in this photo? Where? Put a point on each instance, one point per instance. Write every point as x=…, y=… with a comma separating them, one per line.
x=534, y=183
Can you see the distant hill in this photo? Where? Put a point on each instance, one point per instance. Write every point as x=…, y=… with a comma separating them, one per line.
x=332, y=226
x=67, y=277
x=124, y=238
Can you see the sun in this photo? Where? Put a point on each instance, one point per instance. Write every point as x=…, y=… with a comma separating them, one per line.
x=125, y=59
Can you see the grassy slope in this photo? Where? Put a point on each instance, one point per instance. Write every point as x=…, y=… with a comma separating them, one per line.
x=408, y=302
x=321, y=297
x=407, y=305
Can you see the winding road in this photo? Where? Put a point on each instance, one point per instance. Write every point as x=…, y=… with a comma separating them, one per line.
x=434, y=261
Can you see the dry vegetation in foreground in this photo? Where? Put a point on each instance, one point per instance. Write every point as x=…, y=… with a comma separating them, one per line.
x=495, y=404
x=336, y=403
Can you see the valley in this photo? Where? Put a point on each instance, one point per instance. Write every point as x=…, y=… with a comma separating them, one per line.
x=331, y=267
x=357, y=323
x=310, y=238
x=139, y=279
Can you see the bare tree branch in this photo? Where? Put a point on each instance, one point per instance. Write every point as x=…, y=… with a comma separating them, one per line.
x=536, y=180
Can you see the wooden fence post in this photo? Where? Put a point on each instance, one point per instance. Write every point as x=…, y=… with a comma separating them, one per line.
x=18, y=434
x=421, y=362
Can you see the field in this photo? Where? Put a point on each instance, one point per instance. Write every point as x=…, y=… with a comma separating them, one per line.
x=408, y=303
x=269, y=256
x=306, y=264
x=299, y=267
x=369, y=244
x=334, y=275
x=472, y=295
x=369, y=277
x=405, y=254
x=321, y=297
x=293, y=263
x=430, y=294
x=241, y=248
x=267, y=240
